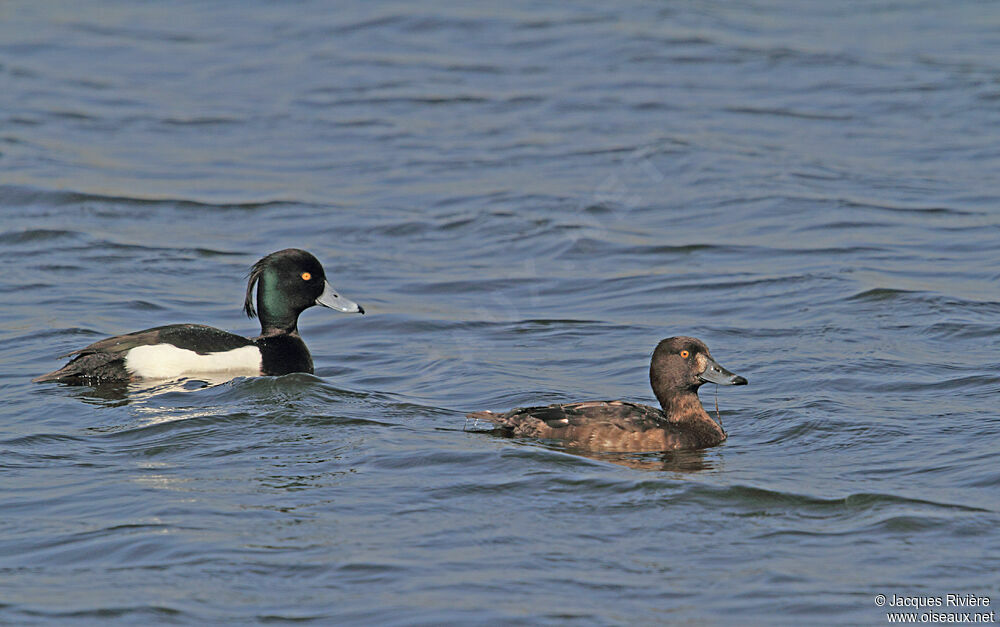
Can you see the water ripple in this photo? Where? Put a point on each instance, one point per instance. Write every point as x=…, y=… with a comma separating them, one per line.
x=525, y=199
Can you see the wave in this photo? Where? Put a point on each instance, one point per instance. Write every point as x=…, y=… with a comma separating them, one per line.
x=22, y=196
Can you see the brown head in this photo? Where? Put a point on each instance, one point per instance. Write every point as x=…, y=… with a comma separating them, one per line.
x=680, y=365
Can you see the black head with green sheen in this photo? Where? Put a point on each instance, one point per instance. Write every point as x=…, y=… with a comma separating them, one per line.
x=289, y=282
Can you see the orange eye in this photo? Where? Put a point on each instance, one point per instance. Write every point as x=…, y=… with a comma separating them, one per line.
x=306, y=276
x=685, y=354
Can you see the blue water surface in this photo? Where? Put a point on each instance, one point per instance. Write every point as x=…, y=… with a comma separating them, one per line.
x=525, y=198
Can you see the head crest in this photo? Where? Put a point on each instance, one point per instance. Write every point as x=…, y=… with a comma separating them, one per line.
x=254, y=276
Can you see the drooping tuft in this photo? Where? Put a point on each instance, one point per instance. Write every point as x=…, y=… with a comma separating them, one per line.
x=254, y=276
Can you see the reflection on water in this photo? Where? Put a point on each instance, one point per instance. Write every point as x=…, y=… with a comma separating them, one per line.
x=673, y=461
x=678, y=461
x=116, y=393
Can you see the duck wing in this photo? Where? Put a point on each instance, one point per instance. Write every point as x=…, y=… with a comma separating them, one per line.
x=597, y=426
x=549, y=420
x=199, y=338
x=105, y=359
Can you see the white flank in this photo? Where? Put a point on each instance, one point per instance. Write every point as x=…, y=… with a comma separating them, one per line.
x=166, y=361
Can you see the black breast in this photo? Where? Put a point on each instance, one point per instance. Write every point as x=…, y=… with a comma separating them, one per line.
x=283, y=354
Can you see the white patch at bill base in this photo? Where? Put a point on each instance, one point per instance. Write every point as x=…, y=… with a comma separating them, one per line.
x=166, y=361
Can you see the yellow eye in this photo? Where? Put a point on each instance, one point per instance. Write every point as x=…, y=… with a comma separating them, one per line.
x=685, y=354
x=306, y=276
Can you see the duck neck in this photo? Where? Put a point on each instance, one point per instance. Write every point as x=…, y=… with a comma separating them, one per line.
x=278, y=325
x=276, y=316
x=685, y=410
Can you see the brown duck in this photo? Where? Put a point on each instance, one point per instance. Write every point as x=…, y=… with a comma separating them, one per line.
x=680, y=365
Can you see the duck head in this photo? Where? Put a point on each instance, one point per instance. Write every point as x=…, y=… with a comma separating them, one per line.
x=681, y=365
x=289, y=282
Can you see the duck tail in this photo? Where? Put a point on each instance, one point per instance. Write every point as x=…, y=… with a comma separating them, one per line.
x=474, y=420
x=55, y=375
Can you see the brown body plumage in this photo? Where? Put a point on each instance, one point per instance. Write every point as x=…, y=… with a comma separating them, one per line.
x=678, y=367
